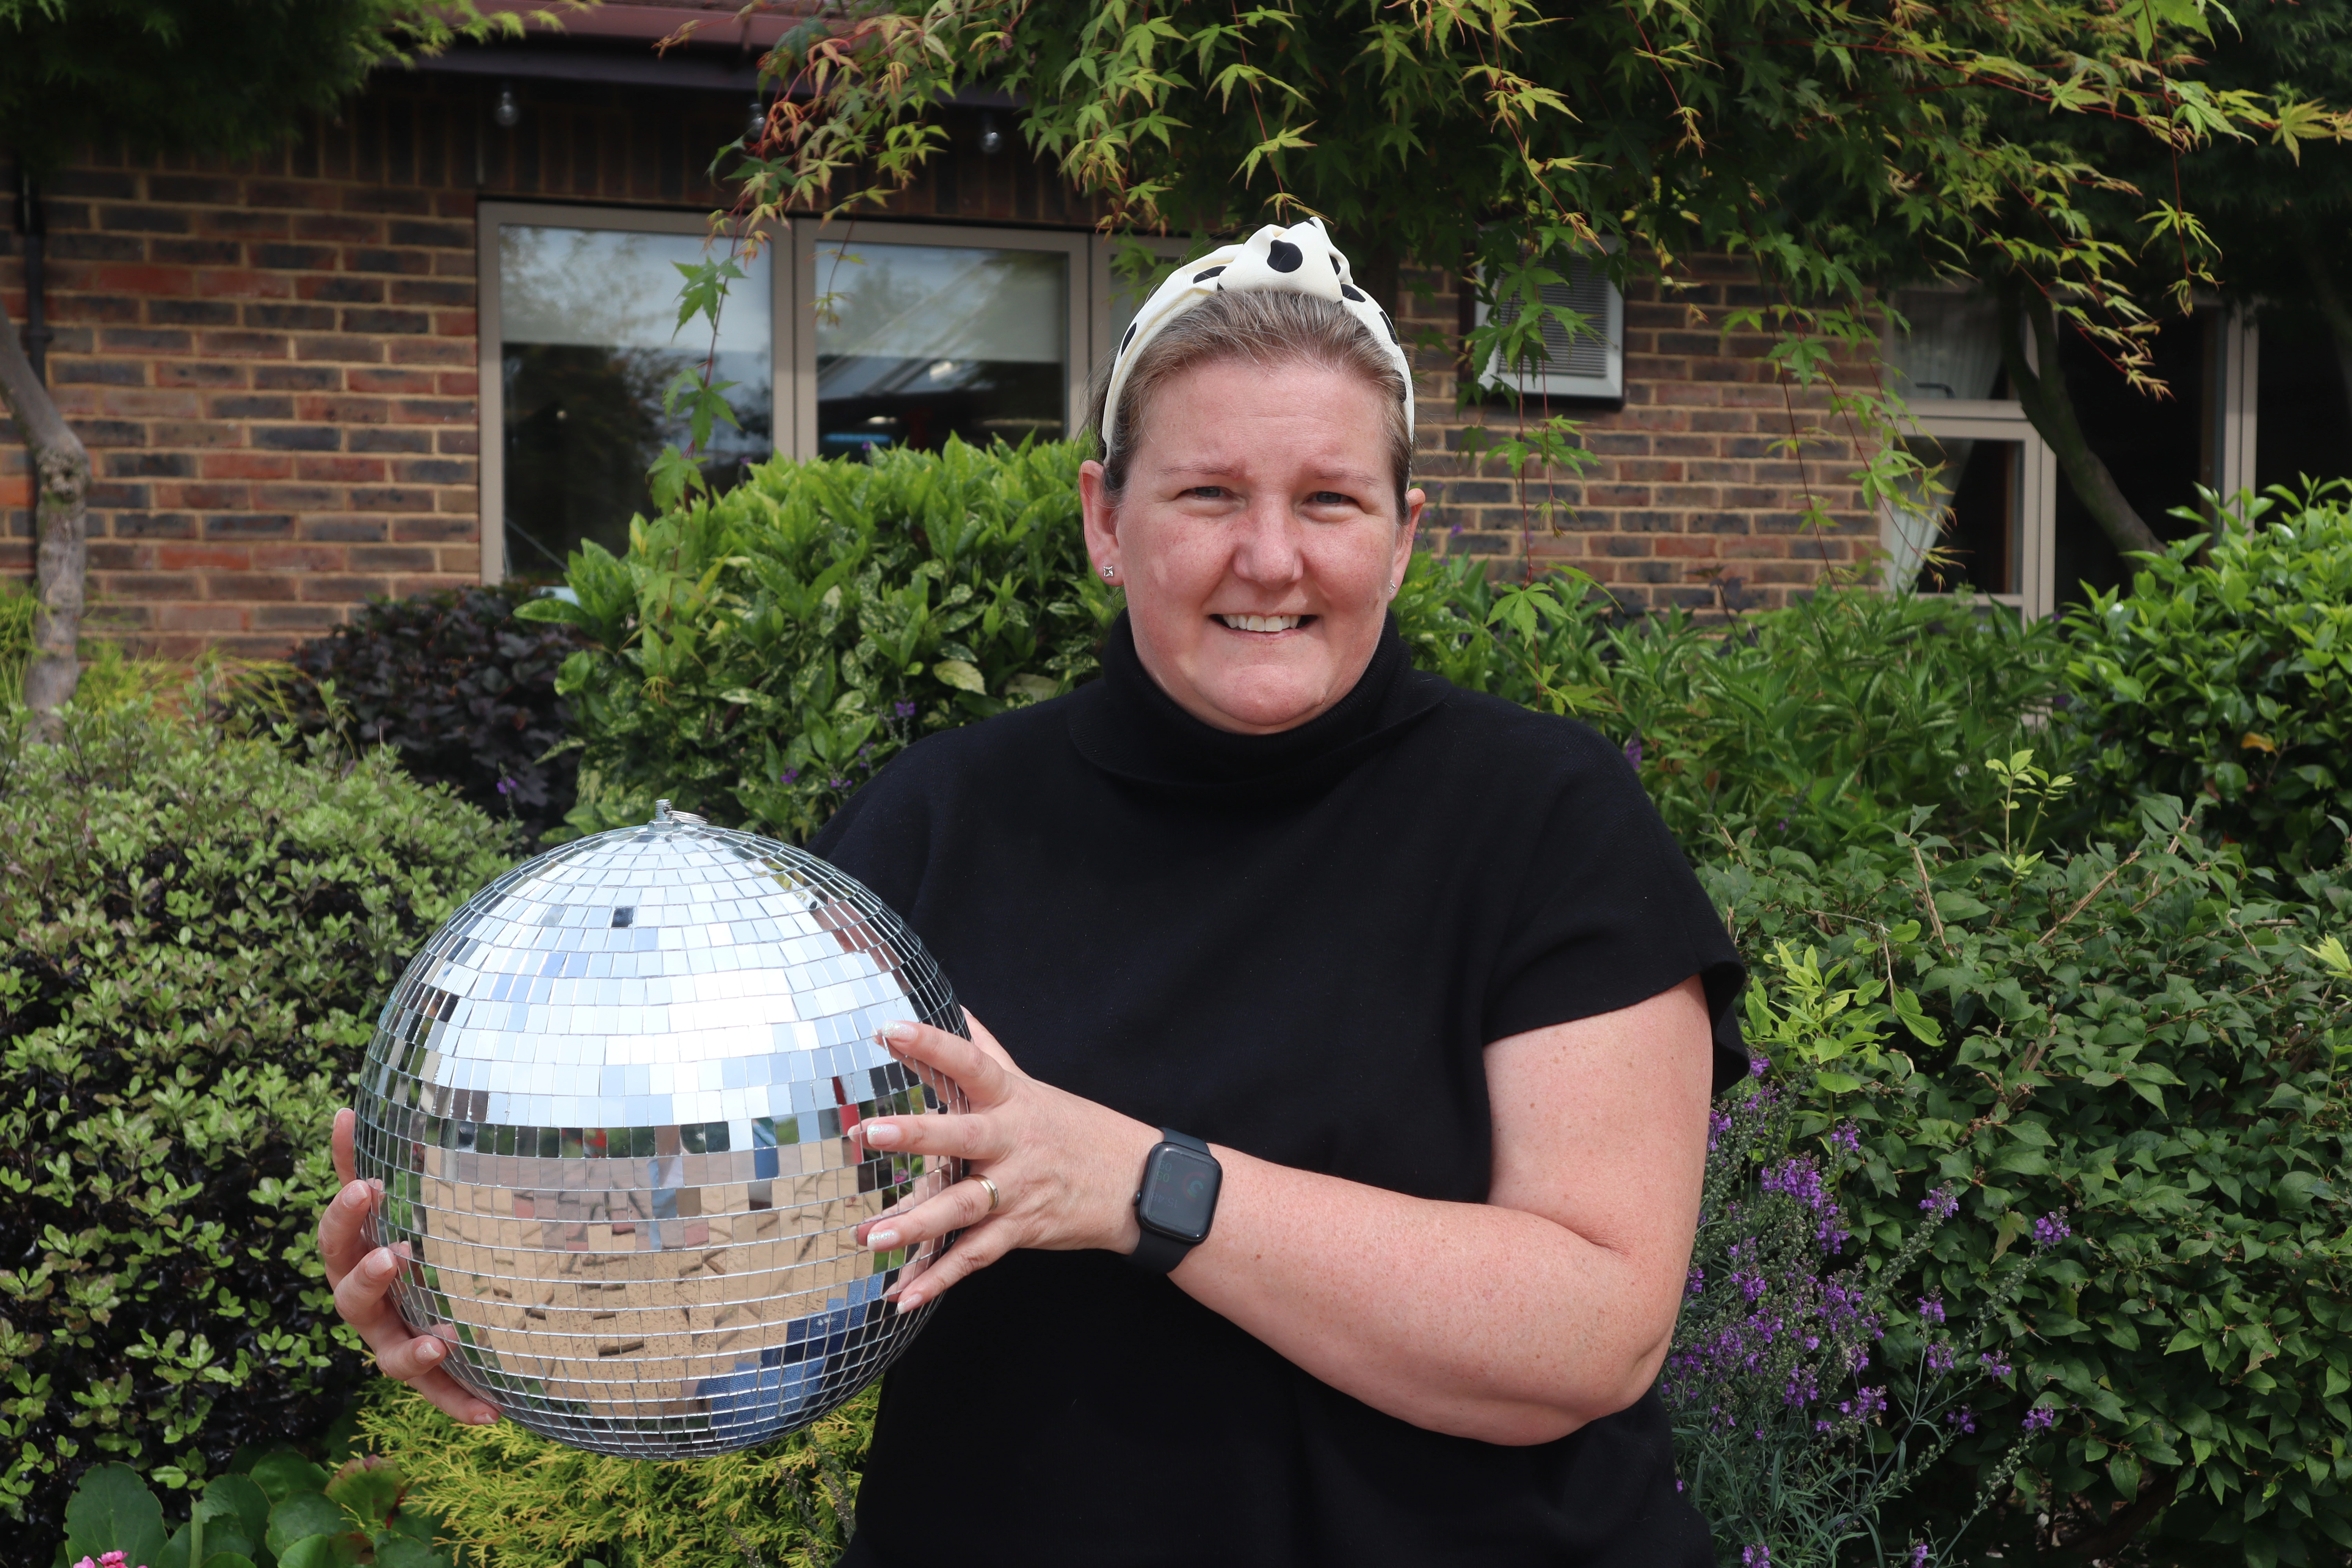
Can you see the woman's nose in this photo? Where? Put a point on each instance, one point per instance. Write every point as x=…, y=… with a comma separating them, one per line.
x=1268, y=551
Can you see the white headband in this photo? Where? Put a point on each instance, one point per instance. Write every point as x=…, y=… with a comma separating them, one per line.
x=1300, y=259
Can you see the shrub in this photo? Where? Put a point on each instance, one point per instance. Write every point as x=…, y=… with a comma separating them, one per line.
x=757, y=657
x=196, y=931
x=457, y=685
x=276, y=1510
x=2144, y=1047
x=2226, y=674
x=524, y=1502
x=1823, y=723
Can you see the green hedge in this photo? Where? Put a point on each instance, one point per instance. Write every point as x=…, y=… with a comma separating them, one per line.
x=2225, y=673
x=196, y=931
x=756, y=657
x=2153, y=1045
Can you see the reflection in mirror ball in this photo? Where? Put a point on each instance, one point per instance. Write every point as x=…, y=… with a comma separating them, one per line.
x=607, y=1103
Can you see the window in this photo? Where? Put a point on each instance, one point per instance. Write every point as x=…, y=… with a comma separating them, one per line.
x=1588, y=362
x=580, y=337
x=840, y=340
x=910, y=332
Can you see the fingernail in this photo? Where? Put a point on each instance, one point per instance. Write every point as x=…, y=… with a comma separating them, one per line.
x=381, y=1262
x=882, y=1240
x=483, y=1417
x=910, y=1300
x=354, y=1195
x=432, y=1350
x=881, y=1135
x=901, y=1033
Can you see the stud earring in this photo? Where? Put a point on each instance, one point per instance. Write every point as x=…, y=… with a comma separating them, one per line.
x=1105, y=571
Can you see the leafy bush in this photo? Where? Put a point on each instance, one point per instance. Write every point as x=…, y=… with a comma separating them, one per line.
x=274, y=1511
x=457, y=685
x=1826, y=722
x=525, y=1502
x=2230, y=678
x=757, y=657
x=196, y=931
x=2147, y=1048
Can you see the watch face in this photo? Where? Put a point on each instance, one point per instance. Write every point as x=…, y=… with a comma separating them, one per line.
x=1180, y=1192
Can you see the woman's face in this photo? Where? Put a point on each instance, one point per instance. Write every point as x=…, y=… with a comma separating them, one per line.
x=1258, y=540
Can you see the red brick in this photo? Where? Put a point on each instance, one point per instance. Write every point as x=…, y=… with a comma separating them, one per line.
x=246, y=465
x=203, y=558
x=187, y=617
x=340, y=470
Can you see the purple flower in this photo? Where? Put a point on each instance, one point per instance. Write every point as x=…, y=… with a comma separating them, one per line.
x=1784, y=824
x=1939, y=1358
x=903, y=709
x=1756, y=1557
x=1931, y=1309
x=1865, y=1404
x=1847, y=1137
x=1994, y=1366
x=1964, y=1418
x=1943, y=1202
x=506, y=786
x=2051, y=1229
x=790, y=775
x=838, y=783
x=1697, y=1282
x=1717, y=1124
x=1919, y=1558
x=1633, y=751
x=2040, y=1418
x=1758, y=1065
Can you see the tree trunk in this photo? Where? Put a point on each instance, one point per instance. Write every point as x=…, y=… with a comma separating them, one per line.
x=2043, y=396
x=60, y=493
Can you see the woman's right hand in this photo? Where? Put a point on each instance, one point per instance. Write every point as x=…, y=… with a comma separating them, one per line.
x=362, y=1279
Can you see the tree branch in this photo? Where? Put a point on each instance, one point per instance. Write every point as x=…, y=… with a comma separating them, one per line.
x=60, y=498
x=2041, y=391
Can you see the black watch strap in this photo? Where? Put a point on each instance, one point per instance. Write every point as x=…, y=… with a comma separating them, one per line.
x=1156, y=1252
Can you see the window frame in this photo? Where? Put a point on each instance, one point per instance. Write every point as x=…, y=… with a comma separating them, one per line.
x=1609, y=388
x=2003, y=419
x=489, y=337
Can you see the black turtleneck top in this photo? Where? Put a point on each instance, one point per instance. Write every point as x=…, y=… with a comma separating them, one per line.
x=1297, y=945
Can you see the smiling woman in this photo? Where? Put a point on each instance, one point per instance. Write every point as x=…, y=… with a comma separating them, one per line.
x=1334, y=1139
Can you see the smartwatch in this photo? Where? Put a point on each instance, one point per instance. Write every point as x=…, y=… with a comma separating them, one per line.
x=1178, y=1201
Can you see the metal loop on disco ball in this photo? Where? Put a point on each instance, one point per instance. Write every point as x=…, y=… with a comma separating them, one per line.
x=607, y=1104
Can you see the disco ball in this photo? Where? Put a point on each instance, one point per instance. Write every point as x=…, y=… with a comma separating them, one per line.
x=608, y=1103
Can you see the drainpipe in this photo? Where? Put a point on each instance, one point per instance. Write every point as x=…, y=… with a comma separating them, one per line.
x=35, y=228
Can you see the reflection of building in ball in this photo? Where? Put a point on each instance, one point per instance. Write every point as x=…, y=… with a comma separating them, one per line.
x=607, y=1103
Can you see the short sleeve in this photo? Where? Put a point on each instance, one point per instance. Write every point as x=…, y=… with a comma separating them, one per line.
x=1609, y=913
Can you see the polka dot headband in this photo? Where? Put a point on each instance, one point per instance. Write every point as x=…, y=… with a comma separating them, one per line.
x=1300, y=259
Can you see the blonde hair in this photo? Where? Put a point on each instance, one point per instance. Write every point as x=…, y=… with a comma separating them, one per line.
x=1265, y=328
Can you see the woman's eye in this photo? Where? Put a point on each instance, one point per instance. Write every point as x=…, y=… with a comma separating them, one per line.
x=1329, y=497
x=1205, y=492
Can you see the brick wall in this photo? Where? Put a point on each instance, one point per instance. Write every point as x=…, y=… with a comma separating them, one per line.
x=274, y=366
x=1699, y=483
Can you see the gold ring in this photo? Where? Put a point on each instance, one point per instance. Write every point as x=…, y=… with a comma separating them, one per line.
x=994, y=1197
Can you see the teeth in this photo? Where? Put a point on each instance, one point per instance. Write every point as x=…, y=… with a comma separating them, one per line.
x=1261, y=623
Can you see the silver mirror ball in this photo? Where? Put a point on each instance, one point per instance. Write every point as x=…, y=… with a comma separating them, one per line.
x=608, y=1103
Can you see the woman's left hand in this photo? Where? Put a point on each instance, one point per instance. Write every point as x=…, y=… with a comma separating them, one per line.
x=1066, y=1169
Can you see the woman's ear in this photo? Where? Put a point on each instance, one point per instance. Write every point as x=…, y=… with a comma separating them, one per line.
x=1101, y=518
x=1414, y=503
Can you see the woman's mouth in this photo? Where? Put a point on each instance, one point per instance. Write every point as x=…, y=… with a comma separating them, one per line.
x=1264, y=623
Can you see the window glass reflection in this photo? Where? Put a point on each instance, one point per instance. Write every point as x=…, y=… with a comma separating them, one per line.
x=588, y=341
x=915, y=343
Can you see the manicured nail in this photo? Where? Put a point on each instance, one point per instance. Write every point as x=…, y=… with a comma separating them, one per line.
x=899, y=1033
x=882, y=1240
x=881, y=1135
